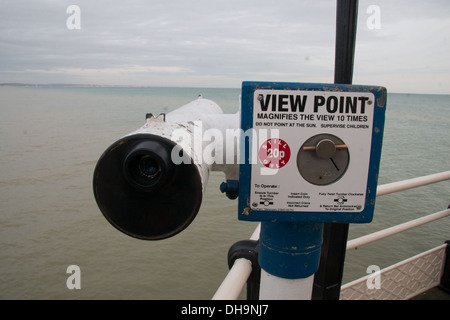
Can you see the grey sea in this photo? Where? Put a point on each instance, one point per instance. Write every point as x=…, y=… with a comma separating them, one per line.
x=52, y=137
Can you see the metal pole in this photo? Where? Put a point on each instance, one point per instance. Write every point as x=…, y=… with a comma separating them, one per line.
x=346, y=21
x=328, y=278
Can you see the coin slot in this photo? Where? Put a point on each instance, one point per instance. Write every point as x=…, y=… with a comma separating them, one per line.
x=323, y=159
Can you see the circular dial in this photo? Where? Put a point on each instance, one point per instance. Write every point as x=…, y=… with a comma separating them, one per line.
x=323, y=159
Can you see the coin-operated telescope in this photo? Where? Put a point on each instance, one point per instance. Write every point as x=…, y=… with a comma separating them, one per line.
x=150, y=183
x=319, y=164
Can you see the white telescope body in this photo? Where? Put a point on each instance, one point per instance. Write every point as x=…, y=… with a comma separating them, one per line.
x=150, y=183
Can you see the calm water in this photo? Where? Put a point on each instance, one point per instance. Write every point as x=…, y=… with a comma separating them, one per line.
x=51, y=139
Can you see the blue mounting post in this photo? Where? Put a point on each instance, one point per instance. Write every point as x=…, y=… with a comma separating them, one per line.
x=290, y=250
x=289, y=254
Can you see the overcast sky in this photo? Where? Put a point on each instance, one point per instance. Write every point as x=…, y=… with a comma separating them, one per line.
x=218, y=43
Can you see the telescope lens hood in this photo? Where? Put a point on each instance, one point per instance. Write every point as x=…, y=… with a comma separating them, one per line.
x=141, y=192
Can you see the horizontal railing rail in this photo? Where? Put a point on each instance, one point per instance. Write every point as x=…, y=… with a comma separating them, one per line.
x=355, y=243
x=238, y=274
x=412, y=183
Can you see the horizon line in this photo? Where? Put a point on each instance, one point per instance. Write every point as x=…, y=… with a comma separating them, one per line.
x=80, y=85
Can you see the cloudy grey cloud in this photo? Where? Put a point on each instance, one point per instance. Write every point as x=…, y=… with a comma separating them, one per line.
x=221, y=43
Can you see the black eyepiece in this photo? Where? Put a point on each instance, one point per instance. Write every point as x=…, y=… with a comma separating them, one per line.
x=141, y=192
x=148, y=165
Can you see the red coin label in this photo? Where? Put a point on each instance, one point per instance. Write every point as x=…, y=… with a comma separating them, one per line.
x=274, y=153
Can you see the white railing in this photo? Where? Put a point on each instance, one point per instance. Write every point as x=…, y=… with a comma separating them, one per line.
x=234, y=282
x=355, y=243
x=236, y=278
x=412, y=183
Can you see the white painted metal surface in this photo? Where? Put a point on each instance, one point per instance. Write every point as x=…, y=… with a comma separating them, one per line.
x=195, y=127
x=276, y=288
x=400, y=281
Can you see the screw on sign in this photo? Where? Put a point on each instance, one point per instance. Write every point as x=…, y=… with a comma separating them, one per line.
x=274, y=153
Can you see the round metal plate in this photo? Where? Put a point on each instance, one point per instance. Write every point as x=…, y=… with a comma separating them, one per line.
x=319, y=162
